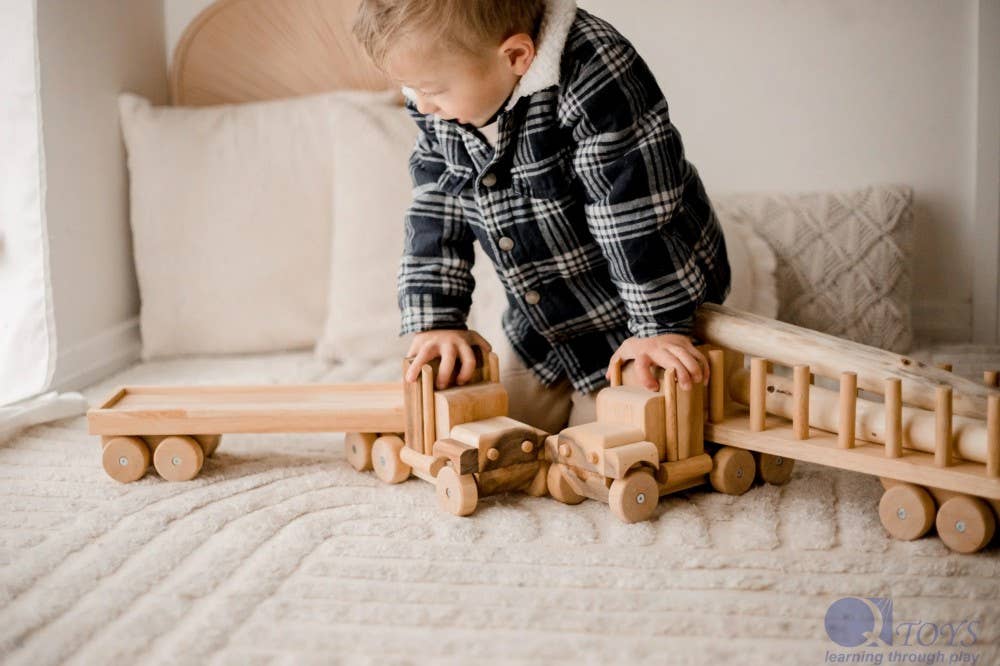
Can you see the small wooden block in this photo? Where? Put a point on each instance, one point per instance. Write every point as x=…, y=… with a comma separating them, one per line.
x=848, y=409
x=991, y=378
x=802, y=378
x=503, y=434
x=584, y=446
x=507, y=479
x=893, y=418
x=637, y=407
x=942, y=431
x=464, y=458
x=426, y=467
x=620, y=459
x=462, y=404
x=758, y=393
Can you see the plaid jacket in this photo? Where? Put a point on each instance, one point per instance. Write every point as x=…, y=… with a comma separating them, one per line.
x=598, y=226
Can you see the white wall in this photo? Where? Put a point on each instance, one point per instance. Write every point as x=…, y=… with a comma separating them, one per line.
x=89, y=52
x=822, y=94
x=793, y=95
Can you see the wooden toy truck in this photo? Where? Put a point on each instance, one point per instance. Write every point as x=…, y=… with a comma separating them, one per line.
x=932, y=438
x=460, y=439
x=646, y=444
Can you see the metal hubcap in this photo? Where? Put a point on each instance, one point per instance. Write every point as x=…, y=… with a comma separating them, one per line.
x=381, y=460
x=176, y=460
x=779, y=461
x=447, y=492
x=640, y=498
x=739, y=473
x=901, y=512
x=960, y=526
x=123, y=461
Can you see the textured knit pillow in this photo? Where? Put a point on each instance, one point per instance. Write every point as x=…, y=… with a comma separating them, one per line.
x=843, y=259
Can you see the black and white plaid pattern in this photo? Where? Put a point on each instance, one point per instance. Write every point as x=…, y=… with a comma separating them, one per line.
x=598, y=226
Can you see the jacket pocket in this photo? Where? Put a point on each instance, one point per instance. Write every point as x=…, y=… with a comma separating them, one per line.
x=549, y=179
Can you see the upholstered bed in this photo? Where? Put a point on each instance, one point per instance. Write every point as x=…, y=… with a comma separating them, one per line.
x=266, y=254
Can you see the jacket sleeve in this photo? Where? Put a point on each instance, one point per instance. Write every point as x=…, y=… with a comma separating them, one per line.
x=434, y=280
x=630, y=162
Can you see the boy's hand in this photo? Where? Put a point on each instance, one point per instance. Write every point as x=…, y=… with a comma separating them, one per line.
x=670, y=350
x=448, y=344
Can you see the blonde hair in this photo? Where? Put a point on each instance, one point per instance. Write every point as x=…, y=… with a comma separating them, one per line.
x=471, y=25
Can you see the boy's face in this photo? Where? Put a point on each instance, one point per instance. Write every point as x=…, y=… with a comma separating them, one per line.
x=457, y=86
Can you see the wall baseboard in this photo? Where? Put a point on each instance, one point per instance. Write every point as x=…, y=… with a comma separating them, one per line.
x=95, y=359
x=942, y=321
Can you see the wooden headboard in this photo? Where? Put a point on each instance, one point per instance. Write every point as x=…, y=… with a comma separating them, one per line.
x=252, y=50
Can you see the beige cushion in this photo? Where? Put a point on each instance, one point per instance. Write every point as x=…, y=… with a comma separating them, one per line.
x=230, y=214
x=843, y=259
x=370, y=198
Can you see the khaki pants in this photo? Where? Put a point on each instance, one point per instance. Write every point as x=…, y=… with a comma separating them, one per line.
x=550, y=408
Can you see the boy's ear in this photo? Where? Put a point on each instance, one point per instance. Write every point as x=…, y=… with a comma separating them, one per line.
x=519, y=52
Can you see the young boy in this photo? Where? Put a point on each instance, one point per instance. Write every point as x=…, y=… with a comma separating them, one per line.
x=545, y=137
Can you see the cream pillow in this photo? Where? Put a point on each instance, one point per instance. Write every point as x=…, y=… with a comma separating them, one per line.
x=371, y=192
x=230, y=214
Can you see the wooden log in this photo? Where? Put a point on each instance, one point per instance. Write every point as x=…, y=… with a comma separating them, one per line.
x=717, y=385
x=690, y=421
x=758, y=393
x=991, y=378
x=942, y=430
x=668, y=386
x=848, y=409
x=413, y=405
x=828, y=356
x=616, y=372
x=893, y=418
x=427, y=409
x=800, y=396
x=993, y=436
x=918, y=425
x=675, y=473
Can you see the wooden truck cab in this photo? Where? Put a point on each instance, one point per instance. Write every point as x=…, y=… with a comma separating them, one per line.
x=459, y=438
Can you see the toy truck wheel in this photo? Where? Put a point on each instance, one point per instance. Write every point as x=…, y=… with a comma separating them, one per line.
x=178, y=458
x=456, y=493
x=906, y=511
x=126, y=459
x=559, y=487
x=635, y=497
x=776, y=470
x=358, y=449
x=732, y=470
x=965, y=524
x=385, y=459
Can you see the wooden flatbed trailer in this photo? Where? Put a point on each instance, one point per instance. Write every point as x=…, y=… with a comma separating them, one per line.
x=459, y=439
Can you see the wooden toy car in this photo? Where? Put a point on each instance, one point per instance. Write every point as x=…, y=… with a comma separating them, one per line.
x=460, y=439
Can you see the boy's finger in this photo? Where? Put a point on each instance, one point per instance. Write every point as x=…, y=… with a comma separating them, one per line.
x=425, y=354
x=645, y=375
x=481, y=341
x=688, y=360
x=447, y=366
x=667, y=359
x=468, y=363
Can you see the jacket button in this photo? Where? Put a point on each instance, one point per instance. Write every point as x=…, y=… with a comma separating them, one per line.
x=489, y=180
x=532, y=298
x=506, y=244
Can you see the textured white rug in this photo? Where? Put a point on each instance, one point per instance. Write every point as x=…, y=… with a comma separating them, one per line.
x=280, y=553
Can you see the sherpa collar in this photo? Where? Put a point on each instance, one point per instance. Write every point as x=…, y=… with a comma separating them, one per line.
x=552, y=34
